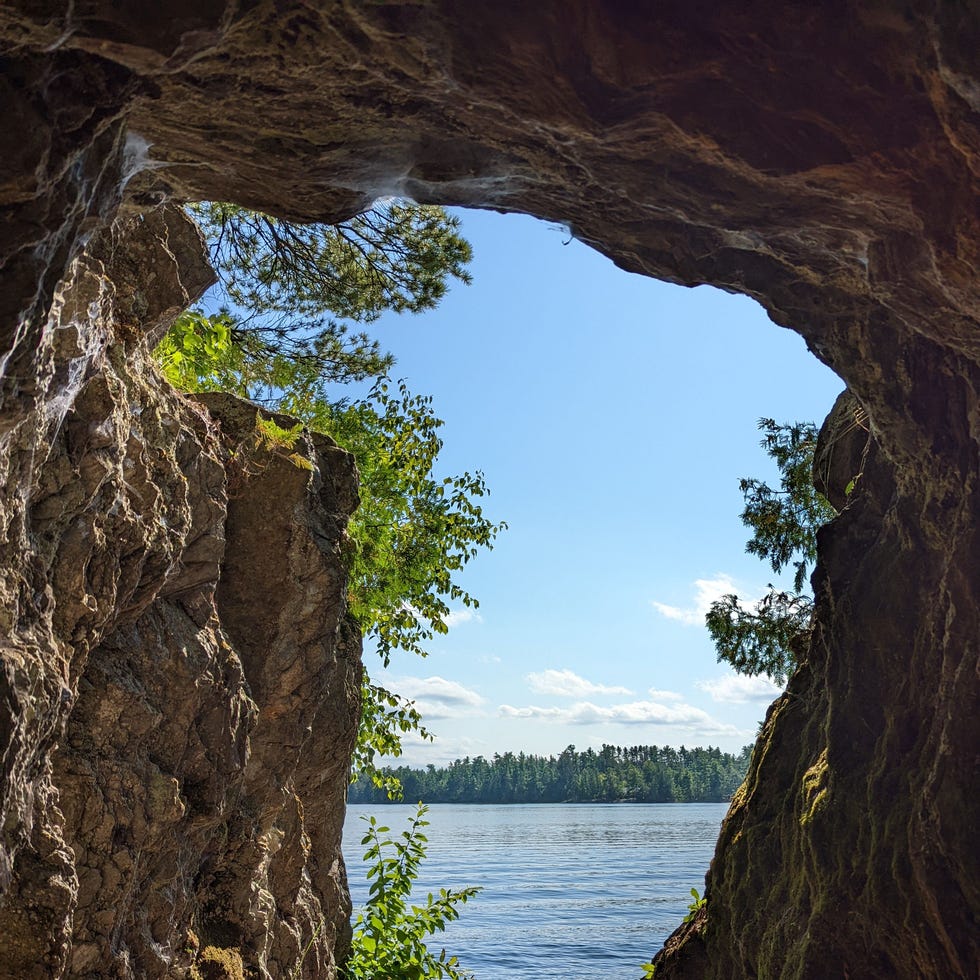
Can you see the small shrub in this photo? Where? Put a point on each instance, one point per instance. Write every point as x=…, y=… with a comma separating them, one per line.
x=390, y=933
x=695, y=906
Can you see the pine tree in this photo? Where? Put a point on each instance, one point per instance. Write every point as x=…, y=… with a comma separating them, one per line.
x=784, y=526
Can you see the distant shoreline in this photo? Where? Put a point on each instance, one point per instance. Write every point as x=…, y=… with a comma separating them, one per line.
x=407, y=802
x=614, y=774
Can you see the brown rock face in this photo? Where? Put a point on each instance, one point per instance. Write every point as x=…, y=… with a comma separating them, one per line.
x=180, y=686
x=823, y=158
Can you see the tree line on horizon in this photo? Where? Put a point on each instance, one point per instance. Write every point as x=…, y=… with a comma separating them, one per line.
x=614, y=774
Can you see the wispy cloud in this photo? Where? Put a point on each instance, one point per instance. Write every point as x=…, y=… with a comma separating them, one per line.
x=659, y=695
x=706, y=591
x=633, y=713
x=736, y=689
x=436, y=697
x=565, y=683
x=456, y=617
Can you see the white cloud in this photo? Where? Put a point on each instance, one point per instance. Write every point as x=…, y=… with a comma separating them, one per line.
x=457, y=617
x=707, y=591
x=735, y=688
x=532, y=711
x=565, y=683
x=418, y=752
x=437, y=689
x=659, y=695
x=436, y=697
x=633, y=713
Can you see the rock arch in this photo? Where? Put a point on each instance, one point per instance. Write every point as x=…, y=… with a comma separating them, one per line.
x=823, y=158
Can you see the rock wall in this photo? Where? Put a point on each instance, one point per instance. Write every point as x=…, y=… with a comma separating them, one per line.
x=875, y=869
x=180, y=685
x=822, y=158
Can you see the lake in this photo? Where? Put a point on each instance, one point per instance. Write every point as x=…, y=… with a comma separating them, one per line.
x=570, y=891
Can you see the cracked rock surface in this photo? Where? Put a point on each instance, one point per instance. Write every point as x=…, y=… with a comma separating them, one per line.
x=180, y=681
x=822, y=158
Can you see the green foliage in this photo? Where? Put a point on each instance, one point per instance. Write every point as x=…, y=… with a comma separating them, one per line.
x=695, y=906
x=784, y=522
x=414, y=530
x=285, y=278
x=262, y=361
x=637, y=774
x=759, y=641
x=385, y=717
x=275, y=438
x=193, y=348
x=784, y=525
x=397, y=256
x=390, y=933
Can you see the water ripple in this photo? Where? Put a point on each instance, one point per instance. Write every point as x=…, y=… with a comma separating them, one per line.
x=571, y=891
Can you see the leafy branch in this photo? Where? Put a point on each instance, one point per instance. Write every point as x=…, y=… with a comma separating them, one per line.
x=784, y=525
x=390, y=932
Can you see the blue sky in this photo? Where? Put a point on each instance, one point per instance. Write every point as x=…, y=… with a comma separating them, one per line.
x=612, y=416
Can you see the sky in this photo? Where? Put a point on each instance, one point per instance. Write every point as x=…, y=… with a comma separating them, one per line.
x=612, y=416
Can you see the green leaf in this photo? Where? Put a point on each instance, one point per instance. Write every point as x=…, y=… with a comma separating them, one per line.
x=397, y=928
x=784, y=523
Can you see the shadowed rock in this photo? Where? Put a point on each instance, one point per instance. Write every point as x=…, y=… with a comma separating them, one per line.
x=822, y=158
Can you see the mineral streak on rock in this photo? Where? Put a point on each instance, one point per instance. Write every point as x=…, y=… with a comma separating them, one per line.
x=821, y=157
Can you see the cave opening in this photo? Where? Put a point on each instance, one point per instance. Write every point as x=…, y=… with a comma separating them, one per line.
x=822, y=158
x=613, y=415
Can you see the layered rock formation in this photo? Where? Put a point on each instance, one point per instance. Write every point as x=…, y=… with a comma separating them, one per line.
x=180, y=682
x=823, y=158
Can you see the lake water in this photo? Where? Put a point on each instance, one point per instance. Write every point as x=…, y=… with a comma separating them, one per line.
x=570, y=891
